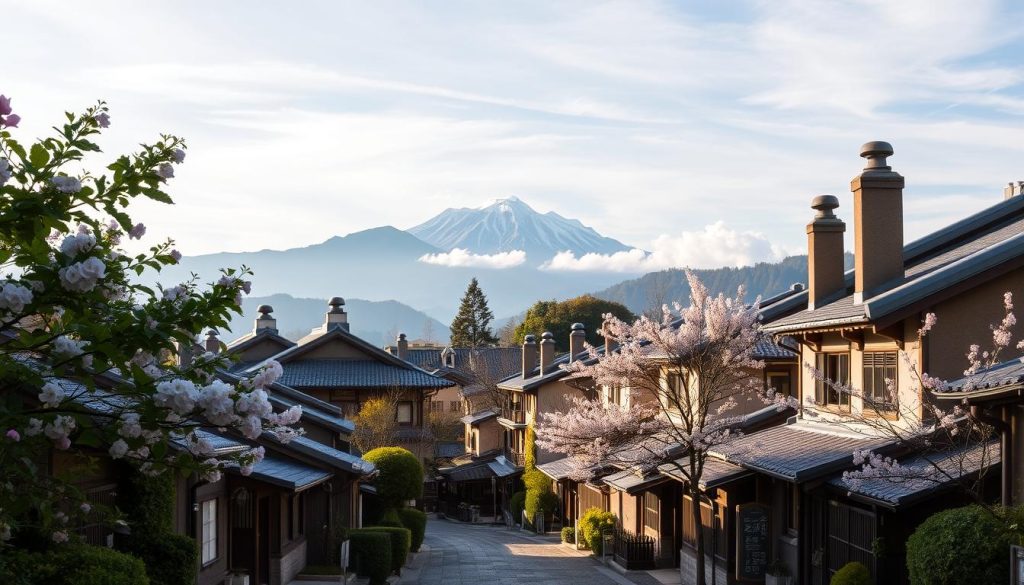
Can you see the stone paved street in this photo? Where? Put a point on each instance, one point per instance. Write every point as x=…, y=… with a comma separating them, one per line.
x=462, y=554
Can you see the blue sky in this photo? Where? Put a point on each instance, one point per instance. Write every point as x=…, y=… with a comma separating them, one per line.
x=689, y=128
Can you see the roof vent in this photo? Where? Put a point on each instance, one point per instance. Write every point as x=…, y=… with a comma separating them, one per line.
x=336, y=316
x=266, y=320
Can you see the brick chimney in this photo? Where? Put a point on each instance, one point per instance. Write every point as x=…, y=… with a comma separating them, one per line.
x=576, y=338
x=1013, y=190
x=529, y=355
x=825, y=262
x=336, y=316
x=212, y=343
x=403, y=346
x=266, y=321
x=547, y=352
x=877, y=222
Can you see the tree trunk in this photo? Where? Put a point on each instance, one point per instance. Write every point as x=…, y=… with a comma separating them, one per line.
x=699, y=541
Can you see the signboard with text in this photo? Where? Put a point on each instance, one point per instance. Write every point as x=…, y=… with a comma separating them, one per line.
x=752, y=541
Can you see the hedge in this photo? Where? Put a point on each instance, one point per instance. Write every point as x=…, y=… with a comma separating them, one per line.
x=852, y=573
x=401, y=539
x=959, y=546
x=170, y=559
x=543, y=501
x=371, y=555
x=588, y=532
x=71, y=564
x=416, y=522
x=400, y=476
x=516, y=504
x=569, y=534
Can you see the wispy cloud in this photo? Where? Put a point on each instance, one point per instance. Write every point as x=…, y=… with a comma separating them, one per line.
x=462, y=258
x=715, y=245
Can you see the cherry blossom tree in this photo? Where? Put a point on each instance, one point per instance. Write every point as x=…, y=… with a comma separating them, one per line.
x=90, y=359
x=944, y=441
x=708, y=347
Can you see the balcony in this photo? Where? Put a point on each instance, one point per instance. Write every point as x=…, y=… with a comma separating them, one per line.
x=516, y=416
x=517, y=459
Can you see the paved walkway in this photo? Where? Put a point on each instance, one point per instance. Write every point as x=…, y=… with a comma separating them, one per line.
x=464, y=554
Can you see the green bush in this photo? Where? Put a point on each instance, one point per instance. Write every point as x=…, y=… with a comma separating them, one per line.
x=147, y=502
x=416, y=522
x=593, y=521
x=959, y=546
x=516, y=505
x=401, y=540
x=569, y=534
x=400, y=476
x=391, y=518
x=370, y=555
x=170, y=559
x=852, y=573
x=544, y=501
x=82, y=565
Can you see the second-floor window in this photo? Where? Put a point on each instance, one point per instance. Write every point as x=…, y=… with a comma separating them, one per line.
x=453, y=405
x=615, y=395
x=436, y=406
x=880, y=366
x=675, y=389
x=834, y=367
x=403, y=413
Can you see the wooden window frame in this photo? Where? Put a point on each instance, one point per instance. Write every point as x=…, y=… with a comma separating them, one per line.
x=822, y=391
x=870, y=388
x=412, y=413
x=208, y=538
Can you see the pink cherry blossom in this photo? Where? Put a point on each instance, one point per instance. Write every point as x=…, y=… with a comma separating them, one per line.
x=103, y=119
x=13, y=435
x=10, y=121
x=5, y=105
x=137, y=231
x=165, y=171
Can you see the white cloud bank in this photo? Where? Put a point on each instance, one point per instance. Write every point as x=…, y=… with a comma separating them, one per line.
x=713, y=247
x=463, y=258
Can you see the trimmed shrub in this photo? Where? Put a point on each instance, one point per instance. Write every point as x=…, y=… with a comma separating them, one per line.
x=544, y=501
x=593, y=521
x=517, y=504
x=391, y=518
x=401, y=475
x=82, y=565
x=371, y=555
x=569, y=534
x=147, y=502
x=962, y=545
x=401, y=539
x=416, y=522
x=852, y=573
x=170, y=559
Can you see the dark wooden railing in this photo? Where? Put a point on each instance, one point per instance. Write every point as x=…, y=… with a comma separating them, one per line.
x=515, y=415
x=517, y=459
x=634, y=551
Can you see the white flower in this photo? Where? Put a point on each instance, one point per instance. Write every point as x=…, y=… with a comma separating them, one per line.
x=13, y=297
x=179, y=155
x=66, y=347
x=5, y=173
x=82, y=276
x=252, y=457
x=130, y=427
x=179, y=395
x=254, y=403
x=85, y=508
x=267, y=375
x=66, y=184
x=35, y=426
x=79, y=243
x=174, y=294
x=165, y=171
x=60, y=536
x=52, y=395
x=118, y=449
x=59, y=430
x=218, y=406
x=137, y=231
x=288, y=417
x=199, y=446
x=213, y=475
x=251, y=427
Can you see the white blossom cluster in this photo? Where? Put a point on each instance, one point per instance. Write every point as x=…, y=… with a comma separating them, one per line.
x=66, y=184
x=13, y=297
x=5, y=171
x=82, y=276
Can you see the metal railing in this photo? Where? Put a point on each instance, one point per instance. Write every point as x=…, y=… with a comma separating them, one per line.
x=634, y=551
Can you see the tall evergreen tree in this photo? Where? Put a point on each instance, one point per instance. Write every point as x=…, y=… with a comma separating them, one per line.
x=471, y=326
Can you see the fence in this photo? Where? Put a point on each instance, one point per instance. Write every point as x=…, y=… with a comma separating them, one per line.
x=634, y=551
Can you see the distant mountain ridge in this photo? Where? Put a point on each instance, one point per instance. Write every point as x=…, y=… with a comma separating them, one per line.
x=646, y=293
x=510, y=224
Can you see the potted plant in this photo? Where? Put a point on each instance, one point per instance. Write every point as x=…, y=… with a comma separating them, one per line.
x=777, y=573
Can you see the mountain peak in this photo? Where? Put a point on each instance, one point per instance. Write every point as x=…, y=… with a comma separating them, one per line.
x=509, y=223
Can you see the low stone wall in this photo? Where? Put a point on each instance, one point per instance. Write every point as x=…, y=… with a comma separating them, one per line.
x=688, y=568
x=285, y=569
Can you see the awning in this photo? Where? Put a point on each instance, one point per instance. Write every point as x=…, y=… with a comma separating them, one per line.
x=557, y=470
x=716, y=472
x=632, y=481
x=478, y=417
x=502, y=468
x=288, y=473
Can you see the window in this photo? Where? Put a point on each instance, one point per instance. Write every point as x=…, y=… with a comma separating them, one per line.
x=778, y=382
x=209, y=531
x=880, y=366
x=675, y=389
x=651, y=511
x=403, y=413
x=614, y=395
x=436, y=406
x=793, y=509
x=714, y=539
x=472, y=441
x=454, y=405
x=834, y=367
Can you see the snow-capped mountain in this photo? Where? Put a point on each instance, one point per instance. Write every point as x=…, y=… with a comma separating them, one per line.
x=510, y=224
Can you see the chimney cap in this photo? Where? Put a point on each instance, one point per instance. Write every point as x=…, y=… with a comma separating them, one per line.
x=529, y=339
x=212, y=333
x=577, y=327
x=336, y=302
x=797, y=286
x=401, y=337
x=265, y=309
x=876, y=152
x=547, y=335
x=824, y=204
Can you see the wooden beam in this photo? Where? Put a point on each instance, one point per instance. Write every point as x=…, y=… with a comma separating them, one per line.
x=855, y=337
x=894, y=332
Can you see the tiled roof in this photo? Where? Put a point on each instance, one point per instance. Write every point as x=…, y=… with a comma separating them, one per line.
x=252, y=338
x=715, y=472
x=449, y=449
x=496, y=362
x=288, y=473
x=330, y=455
x=766, y=349
x=502, y=467
x=221, y=445
x=478, y=417
x=968, y=248
x=795, y=452
x=632, y=481
x=918, y=482
x=340, y=373
x=517, y=382
x=557, y=470
x=1008, y=374
x=469, y=472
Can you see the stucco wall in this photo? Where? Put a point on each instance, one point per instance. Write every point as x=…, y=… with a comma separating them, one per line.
x=551, y=397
